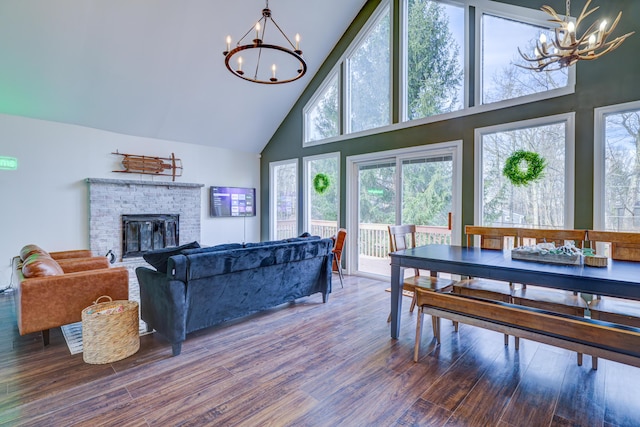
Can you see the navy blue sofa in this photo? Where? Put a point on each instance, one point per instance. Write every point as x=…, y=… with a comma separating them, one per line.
x=202, y=287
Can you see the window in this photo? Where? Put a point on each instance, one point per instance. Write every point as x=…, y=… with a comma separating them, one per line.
x=434, y=58
x=617, y=168
x=322, y=116
x=369, y=77
x=544, y=203
x=458, y=57
x=501, y=78
x=283, y=178
x=322, y=206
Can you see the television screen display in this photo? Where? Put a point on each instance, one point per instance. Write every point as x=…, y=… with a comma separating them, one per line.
x=233, y=201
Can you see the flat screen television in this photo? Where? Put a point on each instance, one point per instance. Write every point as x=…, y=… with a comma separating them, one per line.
x=232, y=201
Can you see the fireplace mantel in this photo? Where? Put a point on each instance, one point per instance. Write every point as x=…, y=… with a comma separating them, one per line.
x=127, y=182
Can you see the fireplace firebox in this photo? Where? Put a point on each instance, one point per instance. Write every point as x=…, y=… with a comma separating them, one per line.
x=142, y=233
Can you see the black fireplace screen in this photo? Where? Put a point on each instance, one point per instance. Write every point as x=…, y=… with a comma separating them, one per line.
x=142, y=233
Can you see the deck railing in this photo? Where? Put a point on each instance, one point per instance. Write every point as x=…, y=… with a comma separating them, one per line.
x=373, y=238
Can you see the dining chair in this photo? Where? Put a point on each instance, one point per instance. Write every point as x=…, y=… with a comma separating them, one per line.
x=554, y=300
x=404, y=237
x=338, y=246
x=621, y=246
x=491, y=238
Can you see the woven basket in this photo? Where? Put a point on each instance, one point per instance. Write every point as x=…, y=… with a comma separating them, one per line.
x=107, y=338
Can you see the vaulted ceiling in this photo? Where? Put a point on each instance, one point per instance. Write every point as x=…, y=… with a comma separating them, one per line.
x=154, y=68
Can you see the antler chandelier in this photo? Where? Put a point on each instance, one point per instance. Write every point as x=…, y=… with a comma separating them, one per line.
x=258, y=50
x=567, y=47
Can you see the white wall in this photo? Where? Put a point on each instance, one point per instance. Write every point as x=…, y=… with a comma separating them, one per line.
x=45, y=200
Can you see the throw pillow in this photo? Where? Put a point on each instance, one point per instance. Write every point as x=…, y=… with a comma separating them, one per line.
x=159, y=257
x=38, y=265
x=29, y=250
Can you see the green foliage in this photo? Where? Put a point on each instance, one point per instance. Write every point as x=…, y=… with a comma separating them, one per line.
x=426, y=195
x=434, y=73
x=377, y=195
x=321, y=182
x=370, y=79
x=326, y=122
x=523, y=167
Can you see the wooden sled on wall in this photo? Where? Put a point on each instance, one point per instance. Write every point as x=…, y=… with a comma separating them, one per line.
x=149, y=165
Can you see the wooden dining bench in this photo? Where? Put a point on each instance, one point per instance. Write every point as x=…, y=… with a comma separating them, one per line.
x=611, y=341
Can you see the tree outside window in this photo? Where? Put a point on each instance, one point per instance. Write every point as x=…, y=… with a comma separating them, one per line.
x=322, y=119
x=435, y=63
x=370, y=79
x=622, y=171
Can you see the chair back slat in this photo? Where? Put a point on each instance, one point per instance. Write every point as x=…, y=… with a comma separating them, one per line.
x=531, y=236
x=623, y=246
x=402, y=237
x=491, y=237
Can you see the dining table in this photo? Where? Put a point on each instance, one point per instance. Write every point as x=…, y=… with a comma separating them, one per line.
x=618, y=278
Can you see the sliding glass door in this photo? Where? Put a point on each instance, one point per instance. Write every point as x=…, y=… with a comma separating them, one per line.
x=407, y=187
x=376, y=211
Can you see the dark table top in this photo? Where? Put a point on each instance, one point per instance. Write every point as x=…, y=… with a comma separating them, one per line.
x=619, y=278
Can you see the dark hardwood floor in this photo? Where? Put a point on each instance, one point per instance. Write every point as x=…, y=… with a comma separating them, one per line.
x=314, y=364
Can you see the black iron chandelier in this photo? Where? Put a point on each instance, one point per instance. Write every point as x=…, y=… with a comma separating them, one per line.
x=245, y=59
x=567, y=47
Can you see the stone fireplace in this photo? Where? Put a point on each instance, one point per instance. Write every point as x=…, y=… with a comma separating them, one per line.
x=111, y=202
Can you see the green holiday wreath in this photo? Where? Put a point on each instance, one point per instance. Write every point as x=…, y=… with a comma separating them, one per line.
x=520, y=174
x=321, y=183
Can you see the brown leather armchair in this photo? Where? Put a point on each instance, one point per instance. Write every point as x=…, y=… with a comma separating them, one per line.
x=53, y=289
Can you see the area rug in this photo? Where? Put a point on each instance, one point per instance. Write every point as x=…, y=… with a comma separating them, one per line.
x=73, y=332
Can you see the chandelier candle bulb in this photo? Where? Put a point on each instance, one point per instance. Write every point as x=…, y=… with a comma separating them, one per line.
x=228, y=43
x=273, y=71
x=257, y=32
x=603, y=26
x=240, y=65
x=592, y=42
x=543, y=43
x=572, y=31
x=297, y=41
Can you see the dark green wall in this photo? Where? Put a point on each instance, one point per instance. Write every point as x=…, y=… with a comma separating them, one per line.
x=609, y=80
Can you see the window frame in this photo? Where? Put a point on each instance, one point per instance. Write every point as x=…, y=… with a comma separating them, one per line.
x=520, y=14
x=599, y=157
x=384, y=7
x=308, y=182
x=273, y=202
x=317, y=95
x=404, y=63
x=569, y=161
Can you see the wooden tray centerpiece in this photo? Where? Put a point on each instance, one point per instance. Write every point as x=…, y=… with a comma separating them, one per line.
x=548, y=253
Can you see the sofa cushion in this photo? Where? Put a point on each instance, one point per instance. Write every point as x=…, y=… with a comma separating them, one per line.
x=226, y=262
x=38, y=265
x=261, y=244
x=159, y=257
x=303, y=239
x=29, y=250
x=217, y=248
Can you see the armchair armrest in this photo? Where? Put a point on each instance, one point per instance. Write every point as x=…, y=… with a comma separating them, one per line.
x=52, y=301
